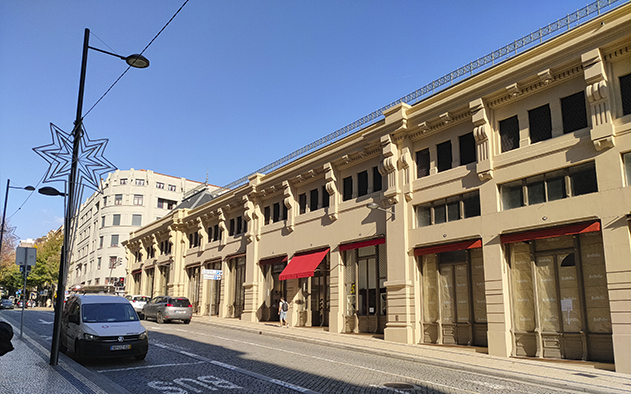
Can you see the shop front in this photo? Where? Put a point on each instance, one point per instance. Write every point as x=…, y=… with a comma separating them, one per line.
x=236, y=297
x=559, y=293
x=193, y=273
x=313, y=298
x=273, y=287
x=365, y=275
x=214, y=288
x=453, y=294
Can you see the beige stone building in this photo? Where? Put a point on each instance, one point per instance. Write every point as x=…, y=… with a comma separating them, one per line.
x=493, y=213
x=128, y=199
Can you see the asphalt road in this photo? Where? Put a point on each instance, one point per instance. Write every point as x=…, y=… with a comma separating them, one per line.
x=201, y=358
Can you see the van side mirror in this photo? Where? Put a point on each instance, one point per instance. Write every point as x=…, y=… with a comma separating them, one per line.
x=73, y=319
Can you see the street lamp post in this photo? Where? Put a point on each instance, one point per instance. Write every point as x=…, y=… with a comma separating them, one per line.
x=137, y=61
x=6, y=202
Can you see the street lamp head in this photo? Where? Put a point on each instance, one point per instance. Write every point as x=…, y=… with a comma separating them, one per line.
x=50, y=191
x=137, y=61
x=29, y=188
x=373, y=205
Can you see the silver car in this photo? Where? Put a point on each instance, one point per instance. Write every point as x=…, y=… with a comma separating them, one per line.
x=165, y=308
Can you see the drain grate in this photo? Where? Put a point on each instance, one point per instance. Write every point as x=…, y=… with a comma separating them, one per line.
x=399, y=386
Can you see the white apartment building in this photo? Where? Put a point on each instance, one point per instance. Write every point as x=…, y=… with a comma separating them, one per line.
x=129, y=199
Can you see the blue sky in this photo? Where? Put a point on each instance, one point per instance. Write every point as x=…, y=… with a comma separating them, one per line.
x=232, y=86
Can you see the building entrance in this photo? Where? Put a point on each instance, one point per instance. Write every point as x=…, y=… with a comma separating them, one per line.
x=454, y=303
x=274, y=289
x=560, y=300
x=194, y=287
x=237, y=272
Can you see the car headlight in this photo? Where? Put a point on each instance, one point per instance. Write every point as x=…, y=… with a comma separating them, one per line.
x=90, y=337
x=143, y=335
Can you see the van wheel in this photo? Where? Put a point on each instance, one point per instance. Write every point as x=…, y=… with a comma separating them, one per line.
x=187, y=321
x=159, y=318
x=140, y=357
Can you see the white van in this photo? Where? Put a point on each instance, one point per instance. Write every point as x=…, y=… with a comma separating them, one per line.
x=102, y=326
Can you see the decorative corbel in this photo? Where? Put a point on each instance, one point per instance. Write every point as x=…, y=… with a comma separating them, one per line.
x=249, y=215
x=389, y=154
x=603, y=131
x=331, y=189
x=484, y=166
x=289, y=203
x=222, y=228
x=406, y=165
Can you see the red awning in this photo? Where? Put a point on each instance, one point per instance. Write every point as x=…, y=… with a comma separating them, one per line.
x=136, y=271
x=303, y=266
x=476, y=243
x=273, y=260
x=363, y=244
x=551, y=232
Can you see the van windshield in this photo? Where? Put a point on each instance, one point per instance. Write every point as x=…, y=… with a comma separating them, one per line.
x=100, y=313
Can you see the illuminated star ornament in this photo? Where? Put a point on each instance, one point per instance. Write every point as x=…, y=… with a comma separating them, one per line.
x=90, y=161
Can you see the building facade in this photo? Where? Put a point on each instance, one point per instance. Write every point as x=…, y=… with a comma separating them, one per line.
x=494, y=213
x=129, y=199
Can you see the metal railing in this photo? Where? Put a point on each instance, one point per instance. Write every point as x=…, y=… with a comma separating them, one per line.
x=568, y=22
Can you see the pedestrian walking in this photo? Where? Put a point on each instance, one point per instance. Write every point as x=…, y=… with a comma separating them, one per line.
x=283, y=307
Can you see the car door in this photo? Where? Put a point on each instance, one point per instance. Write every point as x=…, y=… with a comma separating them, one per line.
x=151, y=306
x=70, y=331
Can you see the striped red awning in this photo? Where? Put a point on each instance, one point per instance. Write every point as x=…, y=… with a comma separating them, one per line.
x=363, y=244
x=303, y=266
x=476, y=243
x=551, y=232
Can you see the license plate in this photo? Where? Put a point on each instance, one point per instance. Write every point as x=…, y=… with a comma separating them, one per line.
x=120, y=347
x=180, y=311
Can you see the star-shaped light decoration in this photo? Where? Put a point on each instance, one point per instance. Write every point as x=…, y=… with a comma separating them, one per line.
x=90, y=161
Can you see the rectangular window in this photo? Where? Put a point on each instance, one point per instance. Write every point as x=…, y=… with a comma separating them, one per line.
x=210, y=234
x=102, y=221
x=471, y=205
x=574, y=112
x=172, y=188
x=325, y=197
x=267, y=214
x=231, y=228
x=422, y=163
x=583, y=179
x=276, y=216
x=536, y=191
x=160, y=203
x=216, y=232
x=362, y=183
x=467, y=148
x=101, y=242
x=512, y=195
x=114, y=240
x=424, y=215
x=118, y=199
x=140, y=182
x=239, y=224
x=555, y=186
x=440, y=213
x=509, y=133
x=138, y=199
x=159, y=185
x=313, y=200
x=98, y=264
x=376, y=180
x=443, y=150
x=449, y=210
x=302, y=202
x=104, y=201
x=116, y=221
x=453, y=210
x=626, y=159
x=136, y=220
x=285, y=212
x=348, y=188
x=625, y=94
x=540, y=123
x=123, y=181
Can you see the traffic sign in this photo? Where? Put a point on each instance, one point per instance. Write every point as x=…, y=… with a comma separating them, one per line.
x=25, y=256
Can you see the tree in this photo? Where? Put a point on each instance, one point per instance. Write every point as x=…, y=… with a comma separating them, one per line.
x=7, y=257
x=46, y=271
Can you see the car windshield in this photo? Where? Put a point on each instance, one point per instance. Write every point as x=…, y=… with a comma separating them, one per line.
x=180, y=302
x=141, y=298
x=100, y=313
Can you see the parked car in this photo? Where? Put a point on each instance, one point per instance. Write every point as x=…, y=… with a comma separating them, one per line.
x=102, y=326
x=165, y=308
x=137, y=302
x=6, y=304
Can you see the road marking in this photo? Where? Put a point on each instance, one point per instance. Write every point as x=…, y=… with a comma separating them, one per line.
x=45, y=322
x=239, y=370
x=148, y=366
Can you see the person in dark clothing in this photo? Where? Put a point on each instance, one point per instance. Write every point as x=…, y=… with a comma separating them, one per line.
x=6, y=333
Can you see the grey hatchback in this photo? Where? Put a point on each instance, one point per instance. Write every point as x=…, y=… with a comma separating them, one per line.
x=165, y=308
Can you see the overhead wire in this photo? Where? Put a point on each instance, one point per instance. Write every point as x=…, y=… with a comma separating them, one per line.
x=128, y=67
